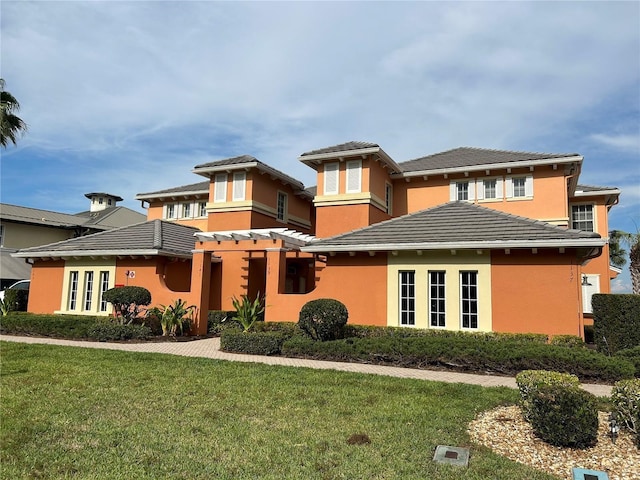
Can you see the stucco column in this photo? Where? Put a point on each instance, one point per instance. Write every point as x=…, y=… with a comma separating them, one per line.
x=276, y=276
x=200, y=288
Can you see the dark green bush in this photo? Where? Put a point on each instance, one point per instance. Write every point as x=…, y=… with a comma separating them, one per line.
x=108, y=331
x=588, y=334
x=465, y=353
x=288, y=329
x=625, y=396
x=530, y=381
x=323, y=319
x=60, y=326
x=564, y=416
x=220, y=320
x=127, y=301
x=567, y=341
x=632, y=355
x=16, y=300
x=252, y=343
x=616, y=322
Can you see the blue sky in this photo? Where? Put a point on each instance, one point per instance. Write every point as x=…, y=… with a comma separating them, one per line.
x=127, y=97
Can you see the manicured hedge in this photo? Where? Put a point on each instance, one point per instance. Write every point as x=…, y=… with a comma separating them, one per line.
x=364, y=331
x=252, y=343
x=468, y=354
x=60, y=326
x=633, y=355
x=220, y=320
x=107, y=331
x=616, y=322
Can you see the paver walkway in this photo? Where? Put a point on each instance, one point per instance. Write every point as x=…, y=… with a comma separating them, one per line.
x=210, y=348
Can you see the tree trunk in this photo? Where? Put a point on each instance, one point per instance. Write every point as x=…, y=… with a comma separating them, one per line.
x=634, y=268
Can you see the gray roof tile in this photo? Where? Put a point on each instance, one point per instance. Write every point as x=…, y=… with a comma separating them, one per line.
x=156, y=237
x=470, y=157
x=343, y=147
x=193, y=188
x=458, y=223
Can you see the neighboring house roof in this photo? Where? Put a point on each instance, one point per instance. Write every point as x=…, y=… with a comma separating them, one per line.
x=193, y=189
x=245, y=162
x=611, y=193
x=468, y=159
x=152, y=238
x=112, y=217
x=103, y=194
x=13, y=268
x=456, y=225
x=314, y=158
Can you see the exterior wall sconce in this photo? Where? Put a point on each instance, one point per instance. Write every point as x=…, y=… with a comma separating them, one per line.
x=585, y=281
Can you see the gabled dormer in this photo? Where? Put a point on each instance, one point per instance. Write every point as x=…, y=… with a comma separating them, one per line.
x=186, y=204
x=245, y=193
x=354, y=186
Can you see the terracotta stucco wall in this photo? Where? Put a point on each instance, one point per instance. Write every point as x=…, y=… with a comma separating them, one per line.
x=46, y=286
x=336, y=219
x=537, y=293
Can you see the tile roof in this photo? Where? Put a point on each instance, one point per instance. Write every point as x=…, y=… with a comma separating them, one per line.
x=593, y=188
x=343, y=147
x=20, y=214
x=456, y=225
x=155, y=237
x=193, y=188
x=475, y=157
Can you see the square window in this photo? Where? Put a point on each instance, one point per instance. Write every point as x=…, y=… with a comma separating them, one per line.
x=582, y=217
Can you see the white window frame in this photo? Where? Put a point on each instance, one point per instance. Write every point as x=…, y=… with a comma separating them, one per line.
x=281, y=213
x=185, y=210
x=528, y=187
x=455, y=190
x=202, y=209
x=104, y=286
x=481, y=189
x=437, y=298
x=354, y=176
x=239, y=186
x=331, y=170
x=170, y=211
x=220, y=188
x=585, y=213
x=407, y=298
x=388, y=197
x=467, y=315
x=72, y=301
x=88, y=290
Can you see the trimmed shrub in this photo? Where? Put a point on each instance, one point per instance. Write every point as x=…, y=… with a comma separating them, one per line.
x=530, y=381
x=288, y=329
x=632, y=355
x=616, y=322
x=323, y=319
x=252, y=343
x=220, y=320
x=127, y=301
x=625, y=397
x=467, y=354
x=16, y=300
x=567, y=341
x=106, y=332
x=59, y=326
x=565, y=416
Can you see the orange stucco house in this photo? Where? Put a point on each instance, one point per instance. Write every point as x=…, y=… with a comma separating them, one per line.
x=467, y=239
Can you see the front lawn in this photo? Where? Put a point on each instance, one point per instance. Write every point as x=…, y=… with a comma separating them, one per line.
x=83, y=413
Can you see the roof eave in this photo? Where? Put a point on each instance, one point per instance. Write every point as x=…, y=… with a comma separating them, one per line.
x=159, y=196
x=208, y=171
x=481, y=245
x=490, y=166
x=101, y=253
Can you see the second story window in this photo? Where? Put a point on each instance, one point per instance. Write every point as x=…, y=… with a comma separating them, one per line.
x=239, y=182
x=186, y=210
x=388, y=198
x=202, y=209
x=220, y=188
x=461, y=190
x=171, y=211
x=520, y=187
x=354, y=176
x=331, y=178
x=582, y=217
x=282, y=207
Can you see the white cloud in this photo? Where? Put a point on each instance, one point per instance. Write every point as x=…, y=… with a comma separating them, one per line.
x=625, y=142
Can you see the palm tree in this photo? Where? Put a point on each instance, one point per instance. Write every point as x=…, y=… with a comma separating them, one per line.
x=617, y=254
x=632, y=240
x=12, y=125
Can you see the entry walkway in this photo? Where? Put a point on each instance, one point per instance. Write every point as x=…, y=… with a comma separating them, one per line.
x=210, y=348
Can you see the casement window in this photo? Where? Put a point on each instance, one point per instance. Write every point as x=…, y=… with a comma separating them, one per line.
x=590, y=286
x=170, y=211
x=186, y=210
x=388, y=198
x=354, y=176
x=202, y=209
x=88, y=289
x=437, y=299
x=331, y=178
x=469, y=300
x=520, y=187
x=582, y=217
x=239, y=185
x=407, y=297
x=281, y=214
x=462, y=190
x=104, y=286
x=490, y=189
x=220, y=188
x=73, y=290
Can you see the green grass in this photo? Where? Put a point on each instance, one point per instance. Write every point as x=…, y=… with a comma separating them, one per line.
x=92, y=414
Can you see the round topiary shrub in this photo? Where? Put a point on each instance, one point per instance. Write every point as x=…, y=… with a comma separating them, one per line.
x=564, y=416
x=323, y=319
x=127, y=301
